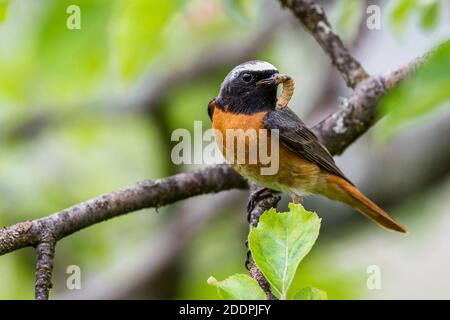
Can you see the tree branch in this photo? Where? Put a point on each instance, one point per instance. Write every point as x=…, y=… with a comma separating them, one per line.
x=146, y=194
x=343, y=127
x=44, y=269
x=158, y=253
x=313, y=18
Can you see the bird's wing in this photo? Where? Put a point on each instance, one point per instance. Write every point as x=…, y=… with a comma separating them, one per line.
x=294, y=134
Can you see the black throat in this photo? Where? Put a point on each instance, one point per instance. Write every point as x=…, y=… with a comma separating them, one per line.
x=248, y=103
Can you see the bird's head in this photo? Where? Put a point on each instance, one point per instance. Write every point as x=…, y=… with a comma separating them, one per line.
x=250, y=87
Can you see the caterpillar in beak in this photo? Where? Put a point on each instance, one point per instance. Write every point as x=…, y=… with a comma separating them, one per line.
x=287, y=92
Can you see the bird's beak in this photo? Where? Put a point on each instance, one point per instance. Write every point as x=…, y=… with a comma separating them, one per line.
x=275, y=79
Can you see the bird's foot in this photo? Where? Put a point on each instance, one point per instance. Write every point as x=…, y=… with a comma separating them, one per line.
x=256, y=196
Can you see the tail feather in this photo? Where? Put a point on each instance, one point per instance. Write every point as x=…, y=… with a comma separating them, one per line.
x=341, y=190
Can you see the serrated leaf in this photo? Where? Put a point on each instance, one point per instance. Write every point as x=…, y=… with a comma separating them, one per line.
x=280, y=242
x=310, y=293
x=425, y=91
x=238, y=287
x=137, y=33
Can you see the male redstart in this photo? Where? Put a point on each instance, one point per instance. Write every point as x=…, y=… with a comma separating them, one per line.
x=248, y=101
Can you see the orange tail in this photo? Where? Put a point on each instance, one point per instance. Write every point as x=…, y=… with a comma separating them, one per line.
x=341, y=190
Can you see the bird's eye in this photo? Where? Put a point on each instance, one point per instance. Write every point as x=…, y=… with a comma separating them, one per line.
x=247, y=77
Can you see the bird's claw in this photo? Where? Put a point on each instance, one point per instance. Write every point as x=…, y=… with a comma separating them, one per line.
x=255, y=197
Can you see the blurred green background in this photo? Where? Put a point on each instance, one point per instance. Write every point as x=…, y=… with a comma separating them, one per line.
x=87, y=111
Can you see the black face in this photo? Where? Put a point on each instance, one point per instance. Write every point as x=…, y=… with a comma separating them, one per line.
x=241, y=93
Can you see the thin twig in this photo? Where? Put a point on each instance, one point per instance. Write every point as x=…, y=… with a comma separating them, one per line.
x=44, y=269
x=313, y=18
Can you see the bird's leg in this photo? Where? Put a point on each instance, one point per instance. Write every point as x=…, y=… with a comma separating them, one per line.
x=297, y=199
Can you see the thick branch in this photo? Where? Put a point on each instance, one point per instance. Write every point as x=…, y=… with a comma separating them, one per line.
x=146, y=194
x=313, y=18
x=343, y=127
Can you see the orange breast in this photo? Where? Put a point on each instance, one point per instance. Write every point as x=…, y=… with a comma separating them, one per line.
x=223, y=120
x=237, y=130
x=293, y=173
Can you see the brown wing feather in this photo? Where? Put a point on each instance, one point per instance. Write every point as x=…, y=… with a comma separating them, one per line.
x=298, y=138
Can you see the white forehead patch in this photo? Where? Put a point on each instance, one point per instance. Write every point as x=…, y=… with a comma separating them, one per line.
x=255, y=65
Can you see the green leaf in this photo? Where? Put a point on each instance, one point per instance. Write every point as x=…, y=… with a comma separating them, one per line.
x=428, y=11
x=238, y=287
x=349, y=14
x=137, y=33
x=280, y=242
x=3, y=9
x=310, y=293
x=399, y=15
x=430, y=14
x=425, y=91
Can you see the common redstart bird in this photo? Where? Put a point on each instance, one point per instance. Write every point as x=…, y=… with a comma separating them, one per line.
x=248, y=101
